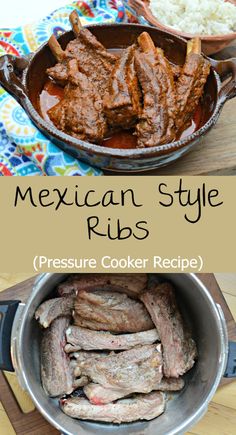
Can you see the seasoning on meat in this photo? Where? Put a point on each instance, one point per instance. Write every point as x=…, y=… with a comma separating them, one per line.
x=93, y=58
x=190, y=84
x=79, y=357
x=130, y=283
x=179, y=349
x=122, y=101
x=56, y=375
x=98, y=395
x=156, y=124
x=110, y=311
x=81, y=338
x=134, y=370
x=53, y=308
x=80, y=112
x=140, y=407
x=59, y=71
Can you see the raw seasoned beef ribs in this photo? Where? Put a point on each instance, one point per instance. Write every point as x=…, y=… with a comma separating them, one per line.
x=140, y=407
x=122, y=101
x=132, y=370
x=53, y=308
x=56, y=374
x=129, y=283
x=98, y=395
x=81, y=338
x=179, y=349
x=110, y=311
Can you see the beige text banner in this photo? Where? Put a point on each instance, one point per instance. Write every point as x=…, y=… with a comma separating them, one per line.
x=118, y=224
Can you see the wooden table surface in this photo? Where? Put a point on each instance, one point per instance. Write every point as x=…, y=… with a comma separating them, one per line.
x=221, y=416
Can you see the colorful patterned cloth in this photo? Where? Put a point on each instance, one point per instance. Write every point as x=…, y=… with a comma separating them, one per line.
x=24, y=150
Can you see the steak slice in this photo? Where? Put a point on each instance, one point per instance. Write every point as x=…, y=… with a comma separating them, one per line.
x=140, y=407
x=98, y=395
x=130, y=283
x=122, y=101
x=80, y=111
x=81, y=338
x=56, y=374
x=134, y=370
x=53, y=308
x=179, y=349
x=156, y=124
x=110, y=311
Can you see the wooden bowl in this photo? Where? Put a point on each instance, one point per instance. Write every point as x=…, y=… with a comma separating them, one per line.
x=210, y=44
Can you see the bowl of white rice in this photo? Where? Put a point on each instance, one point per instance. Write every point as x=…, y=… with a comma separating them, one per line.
x=214, y=21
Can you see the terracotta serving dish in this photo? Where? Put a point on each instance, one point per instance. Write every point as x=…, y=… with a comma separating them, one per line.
x=210, y=44
x=24, y=78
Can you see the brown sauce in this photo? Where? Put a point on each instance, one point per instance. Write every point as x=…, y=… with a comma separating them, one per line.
x=49, y=97
x=53, y=93
x=122, y=139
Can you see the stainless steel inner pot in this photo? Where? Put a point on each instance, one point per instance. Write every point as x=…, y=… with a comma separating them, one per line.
x=183, y=409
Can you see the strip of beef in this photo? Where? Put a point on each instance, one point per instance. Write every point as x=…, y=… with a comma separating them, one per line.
x=140, y=407
x=82, y=356
x=98, y=395
x=56, y=375
x=156, y=124
x=80, y=112
x=81, y=338
x=80, y=382
x=179, y=349
x=191, y=83
x=53, y=308
x=122, y=101
x=110, y=311
x=130, y=283
x=92, y=57
x=134, y=370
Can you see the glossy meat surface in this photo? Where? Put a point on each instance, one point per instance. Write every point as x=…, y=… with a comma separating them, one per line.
x=80, y=112
x=122, y=102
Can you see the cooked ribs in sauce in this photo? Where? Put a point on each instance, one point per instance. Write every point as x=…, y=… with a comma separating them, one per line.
x=156, y=123
x=92, y=57
x=138, y=90
x=190, y=84
x=80, y=112
x=114, y=368
x=122, y=102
